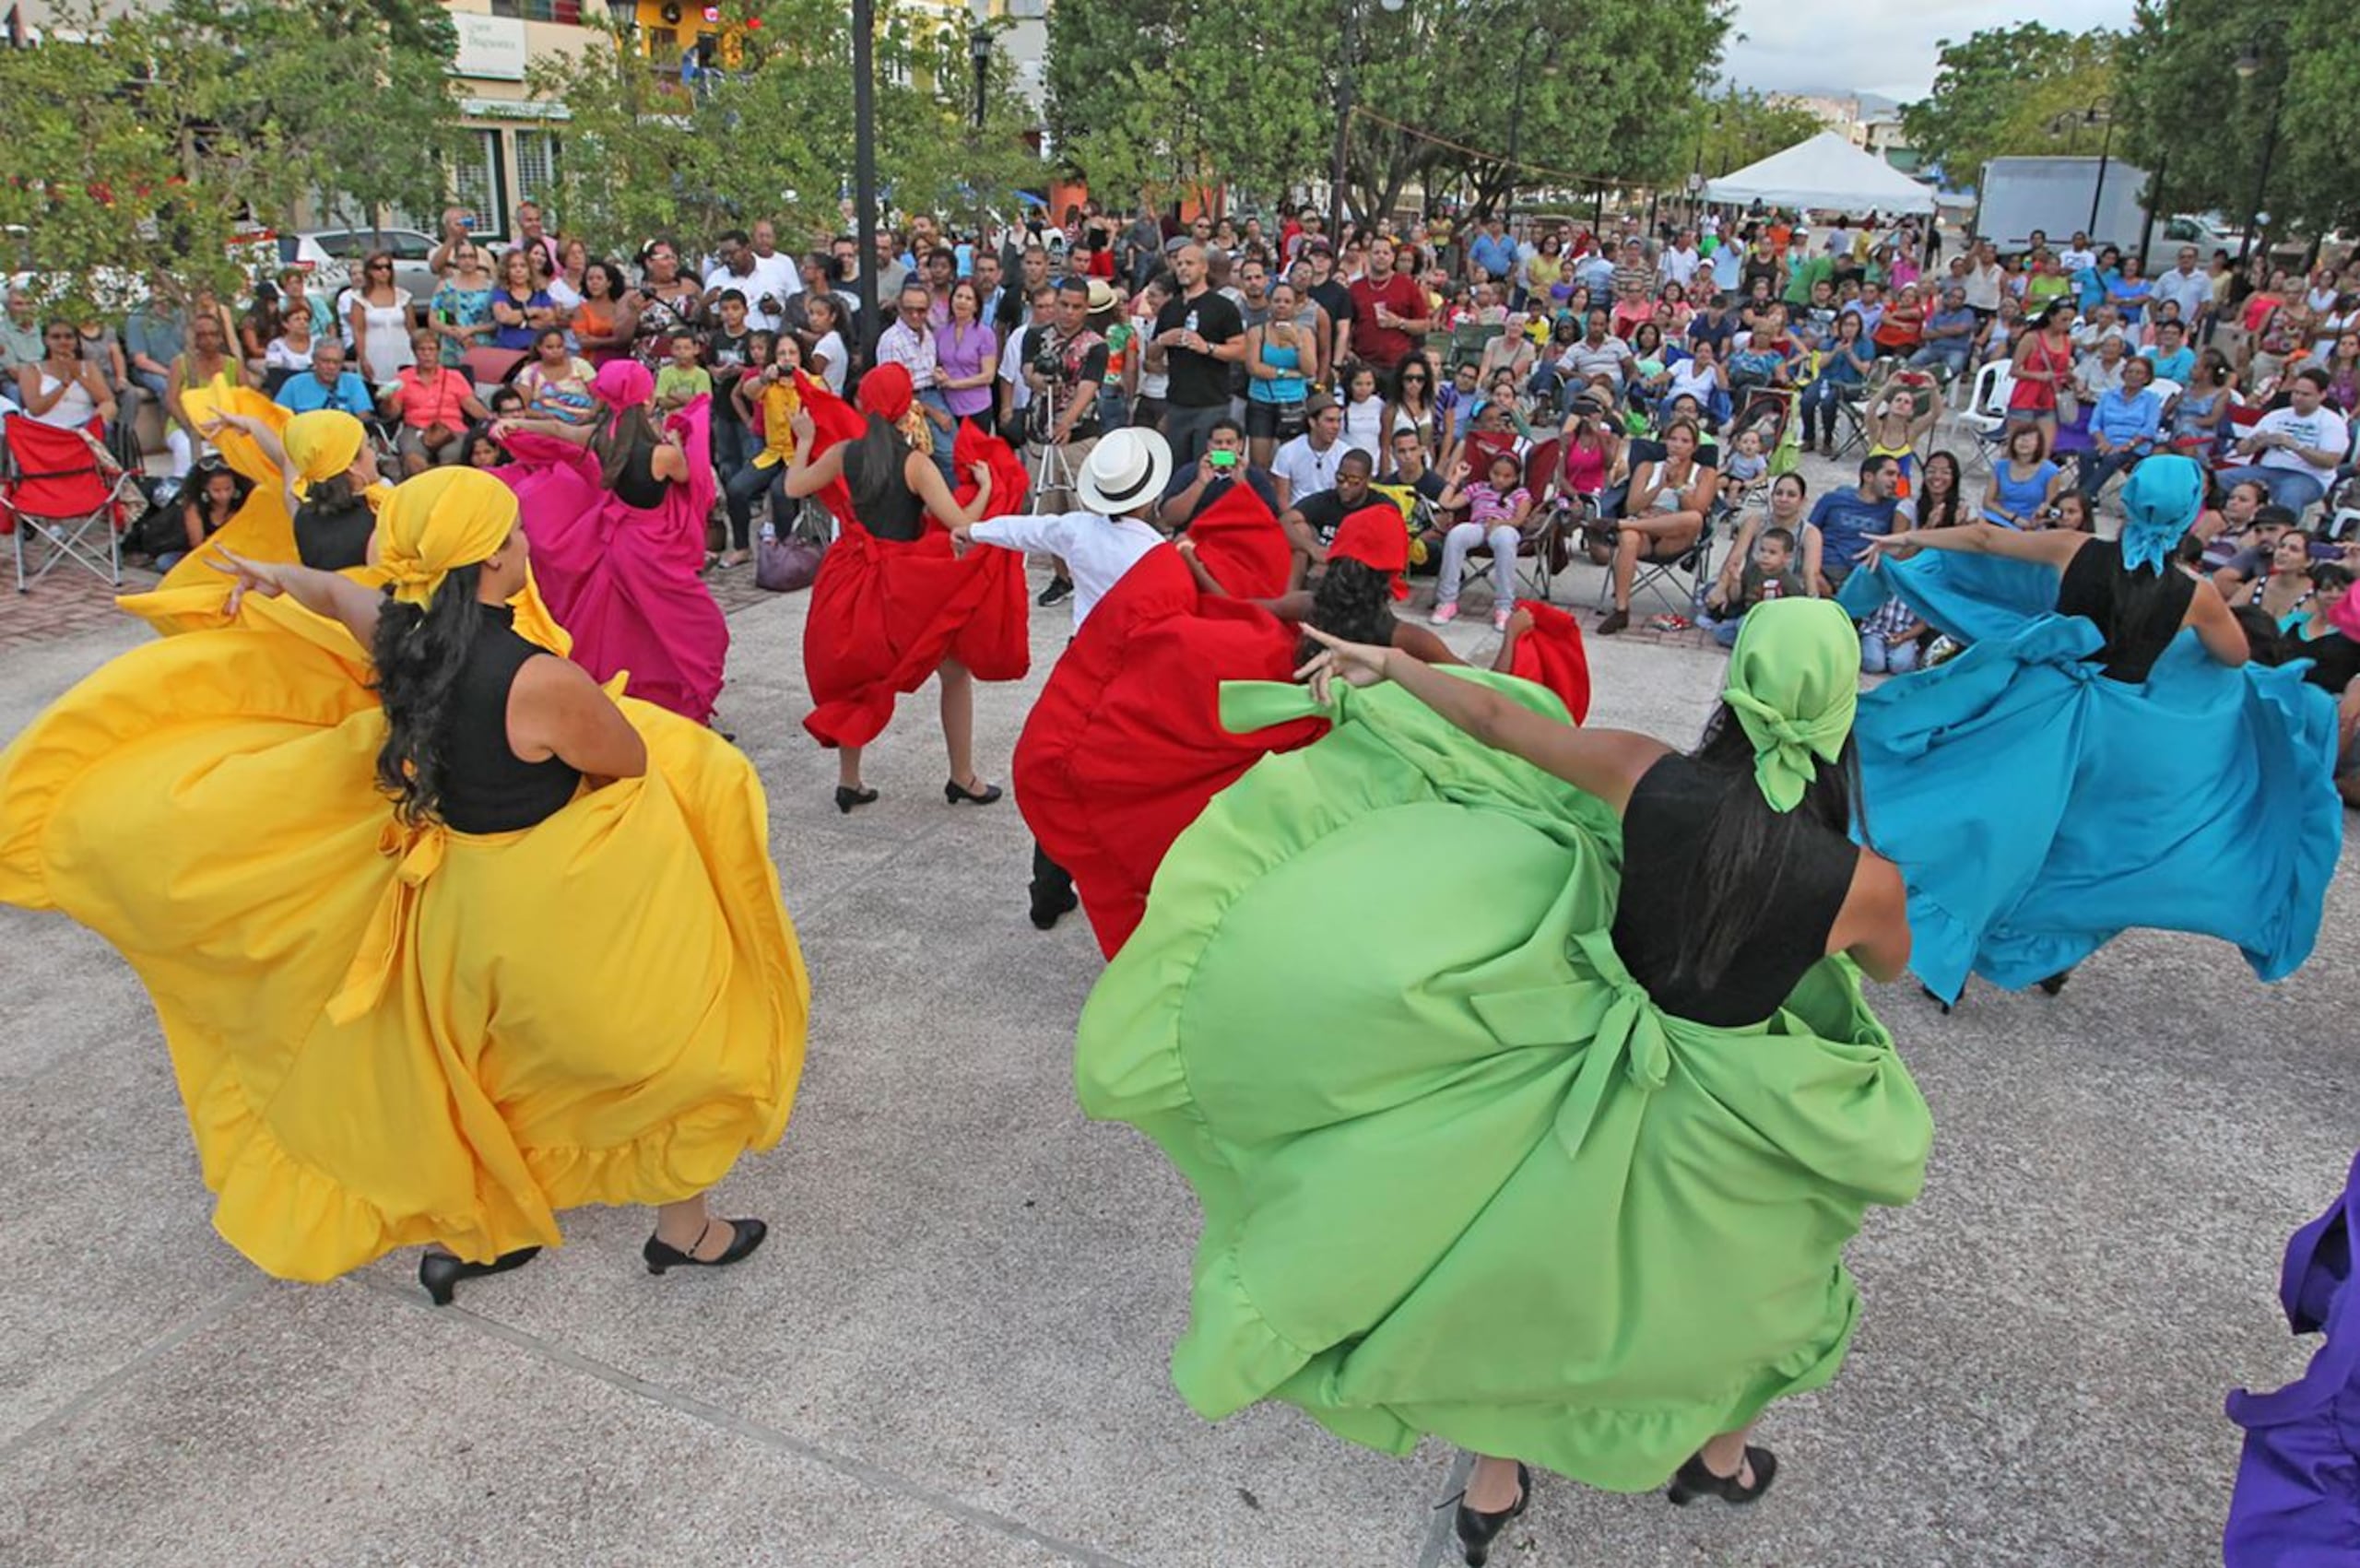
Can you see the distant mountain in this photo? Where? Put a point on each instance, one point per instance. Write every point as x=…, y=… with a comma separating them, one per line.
x=1870, y=103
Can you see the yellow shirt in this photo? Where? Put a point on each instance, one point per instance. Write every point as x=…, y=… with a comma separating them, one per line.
x=780, y=403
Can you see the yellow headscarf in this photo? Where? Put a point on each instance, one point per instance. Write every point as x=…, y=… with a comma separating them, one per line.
x=321, y=444
x=447, y=518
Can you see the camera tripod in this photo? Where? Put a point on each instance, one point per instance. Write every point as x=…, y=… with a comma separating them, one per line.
x=1048, y=468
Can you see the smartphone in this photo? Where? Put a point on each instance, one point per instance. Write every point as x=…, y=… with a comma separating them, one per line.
x=2325, y=552
x=1229, y=460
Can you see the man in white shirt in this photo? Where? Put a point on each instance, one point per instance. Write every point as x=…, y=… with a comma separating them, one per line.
x=2299, y=447
x=1120, y=484
x=2187, y=286
x=909, y=343
x=776, y=277
x=737, y=270
x=1679, y=261
x=2077, y=258
x=1306, y=464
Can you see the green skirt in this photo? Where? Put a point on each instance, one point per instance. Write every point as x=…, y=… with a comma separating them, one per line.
x=1460, y=1175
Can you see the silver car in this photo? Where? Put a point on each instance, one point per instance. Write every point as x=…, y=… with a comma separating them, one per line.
x=332, y=255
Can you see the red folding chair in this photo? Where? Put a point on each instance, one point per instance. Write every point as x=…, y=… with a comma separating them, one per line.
x=1546, y=547
x=60, y=488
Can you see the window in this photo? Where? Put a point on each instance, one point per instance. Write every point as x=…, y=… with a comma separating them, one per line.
x=475, y=181
x=536, y=165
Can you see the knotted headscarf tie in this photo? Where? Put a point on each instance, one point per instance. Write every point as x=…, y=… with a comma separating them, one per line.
x=321, y=444
x=1794, y=682
x=2160, y=501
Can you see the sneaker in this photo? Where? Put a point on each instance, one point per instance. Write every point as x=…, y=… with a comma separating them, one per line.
x=1059, y=589
x=1444, y=614
x=1500, y=617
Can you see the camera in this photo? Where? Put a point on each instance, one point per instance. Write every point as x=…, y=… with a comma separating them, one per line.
x=1048, y=364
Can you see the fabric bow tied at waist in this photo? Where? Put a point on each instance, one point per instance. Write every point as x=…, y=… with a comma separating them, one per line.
x=418, y=851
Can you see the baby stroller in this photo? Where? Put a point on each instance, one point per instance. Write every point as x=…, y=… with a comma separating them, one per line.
x=1773, y=413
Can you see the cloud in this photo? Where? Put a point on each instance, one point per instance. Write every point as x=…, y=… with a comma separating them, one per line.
x=1843, y=46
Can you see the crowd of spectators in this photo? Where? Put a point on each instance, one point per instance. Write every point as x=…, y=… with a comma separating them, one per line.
x=1608, y=390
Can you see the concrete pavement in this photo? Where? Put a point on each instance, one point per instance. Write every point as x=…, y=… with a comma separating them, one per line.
x=950, y=1352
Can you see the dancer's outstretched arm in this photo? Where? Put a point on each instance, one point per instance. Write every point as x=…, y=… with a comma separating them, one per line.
x=1607, y=763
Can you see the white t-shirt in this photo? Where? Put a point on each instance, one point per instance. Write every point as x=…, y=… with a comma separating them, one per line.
x=830, y=347
x=1306, y=472
x=1096, y=551
x=1680, y=266
x=2321, y=427
x=757, y=318
x=1012, y=371
x=2074, y=260
x=774, y=274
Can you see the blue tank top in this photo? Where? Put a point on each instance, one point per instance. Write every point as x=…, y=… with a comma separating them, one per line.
x=1279, y=388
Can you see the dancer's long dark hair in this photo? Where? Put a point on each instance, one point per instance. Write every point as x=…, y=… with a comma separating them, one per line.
x=613, y=444
x=1748, y=847
x=878, y=475
x=418, y=653
x=1353, y=601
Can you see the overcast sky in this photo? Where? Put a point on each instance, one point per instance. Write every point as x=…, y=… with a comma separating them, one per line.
x=1847, y=46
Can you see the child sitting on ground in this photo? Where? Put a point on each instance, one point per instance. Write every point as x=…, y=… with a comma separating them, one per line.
x=1769, y=574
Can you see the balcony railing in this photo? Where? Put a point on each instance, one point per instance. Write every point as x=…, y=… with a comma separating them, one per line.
x=566, y=12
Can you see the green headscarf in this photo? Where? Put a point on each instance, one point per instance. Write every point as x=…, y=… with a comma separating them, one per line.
x=1794, y=682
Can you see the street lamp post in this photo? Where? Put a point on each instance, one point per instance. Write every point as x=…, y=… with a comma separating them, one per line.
x=2249, y=66
x=863, y=156
x=1346, y=85
x=979, y=46
x=2069, y=125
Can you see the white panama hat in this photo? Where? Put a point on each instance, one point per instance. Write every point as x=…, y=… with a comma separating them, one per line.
x=1128, y=468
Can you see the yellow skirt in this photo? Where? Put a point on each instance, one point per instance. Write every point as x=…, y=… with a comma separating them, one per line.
x=385, y=1038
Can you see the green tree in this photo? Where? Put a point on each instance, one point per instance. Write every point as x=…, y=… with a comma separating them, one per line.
x=1998, y=93
x=770, y=134
x=143, y=144
x=2191, y=117
x=1740, y=128
x=1145, y=95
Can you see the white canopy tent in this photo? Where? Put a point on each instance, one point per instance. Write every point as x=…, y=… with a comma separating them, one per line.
x=1825, y=173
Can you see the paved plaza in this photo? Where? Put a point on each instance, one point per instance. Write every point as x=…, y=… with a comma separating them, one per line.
x=951, y=1354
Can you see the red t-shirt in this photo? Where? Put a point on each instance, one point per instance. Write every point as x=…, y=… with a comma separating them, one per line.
x=1385, y=347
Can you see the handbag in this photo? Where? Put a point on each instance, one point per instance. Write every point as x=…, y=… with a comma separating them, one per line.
x=786, y=564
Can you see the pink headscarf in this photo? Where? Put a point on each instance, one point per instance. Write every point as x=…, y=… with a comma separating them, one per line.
x=623, y=383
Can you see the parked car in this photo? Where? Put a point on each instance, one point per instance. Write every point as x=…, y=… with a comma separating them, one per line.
x=332, y=255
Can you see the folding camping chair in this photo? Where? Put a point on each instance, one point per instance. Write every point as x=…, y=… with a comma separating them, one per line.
x=1679, y=579
x=1547, y=546
x=62, y=489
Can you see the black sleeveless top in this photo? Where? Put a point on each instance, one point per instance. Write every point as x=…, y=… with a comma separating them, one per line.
x=487, y=788
x=1663, y=838
x=635, y=481
x=900, y=514
x=2096, y=587
x=332, y=537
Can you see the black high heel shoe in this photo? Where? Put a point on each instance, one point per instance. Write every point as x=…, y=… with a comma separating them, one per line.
x=954, y=792
x=1934, y=996
x=1477, y=1530
x=2056, y=982
x=440, y=1272
x=661, y=1255
x=1695, y=1479
x=849, y=796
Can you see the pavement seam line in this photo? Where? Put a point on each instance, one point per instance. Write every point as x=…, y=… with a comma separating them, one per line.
x=148, y=1355
x=859, y=1471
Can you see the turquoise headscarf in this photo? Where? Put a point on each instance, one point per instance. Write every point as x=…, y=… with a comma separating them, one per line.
x=1794, y=682
x=2162, y=498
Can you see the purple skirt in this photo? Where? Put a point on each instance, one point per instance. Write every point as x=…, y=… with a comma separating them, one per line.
x=2297, y=1501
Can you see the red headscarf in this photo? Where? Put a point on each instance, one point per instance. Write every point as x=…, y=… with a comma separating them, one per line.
x=886, y=392
x=1376, y=537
